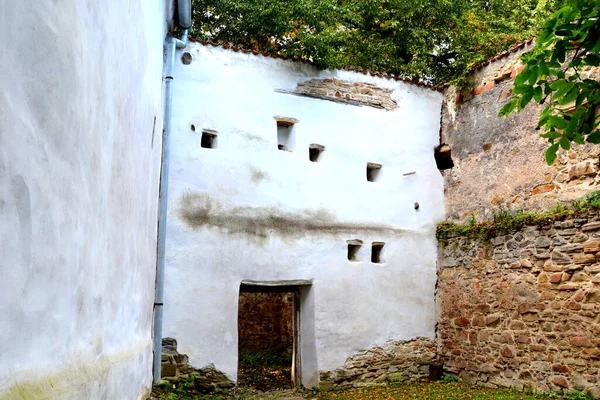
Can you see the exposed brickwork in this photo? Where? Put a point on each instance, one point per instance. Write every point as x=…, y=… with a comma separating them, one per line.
x=524, y=310
x=483, y=88
x=357, y=93
x=393, y=362
x=265, y=322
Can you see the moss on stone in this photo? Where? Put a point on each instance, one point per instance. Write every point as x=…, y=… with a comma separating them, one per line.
x=504, y=221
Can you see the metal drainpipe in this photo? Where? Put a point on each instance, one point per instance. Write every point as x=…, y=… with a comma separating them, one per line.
x=172, y=45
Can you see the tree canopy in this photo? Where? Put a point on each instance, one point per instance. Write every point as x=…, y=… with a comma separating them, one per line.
x=559, y=72
x=431, y=40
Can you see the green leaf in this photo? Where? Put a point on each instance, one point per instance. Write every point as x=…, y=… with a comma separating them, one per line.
x=551, y=153
x=559, y=52
x=558, y=84
x=546, y=34
x=544, y=116
x=533, y=75
x=568, y=86
x=526, y=99
x=580, y=98
x=522, y=89
x=564, y=143
x=546, y=112
x=575, y=63
x=523, y=76
x=578, y=139
x=551, y=135
x=570, y=96
x=558, y=122
x=508, y=108
x=592, y=59
x=537, y=94
x=594, y=137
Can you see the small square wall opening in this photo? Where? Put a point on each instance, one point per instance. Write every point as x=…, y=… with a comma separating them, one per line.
x=376, y=249
x=315, y=151
x=373, y=172
x=443, y=156
x=209, y=139
x=353, y=248
x=285, y=133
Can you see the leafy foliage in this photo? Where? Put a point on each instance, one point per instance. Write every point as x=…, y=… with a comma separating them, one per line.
x=574, y=395
x=450, y=378
x=432, y=40
x=554, y=74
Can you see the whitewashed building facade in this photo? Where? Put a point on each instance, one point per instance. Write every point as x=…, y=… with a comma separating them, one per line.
x=282, y=174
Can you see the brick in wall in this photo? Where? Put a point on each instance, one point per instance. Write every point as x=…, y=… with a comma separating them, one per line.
x=354, y=93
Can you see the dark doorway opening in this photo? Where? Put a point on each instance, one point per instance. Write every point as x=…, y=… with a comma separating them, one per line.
x=268, y=320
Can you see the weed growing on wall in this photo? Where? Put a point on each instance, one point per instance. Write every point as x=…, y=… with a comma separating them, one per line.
x=504, y=221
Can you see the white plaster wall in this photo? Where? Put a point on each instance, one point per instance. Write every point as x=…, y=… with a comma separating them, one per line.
x=263, y=203
x=80, y=138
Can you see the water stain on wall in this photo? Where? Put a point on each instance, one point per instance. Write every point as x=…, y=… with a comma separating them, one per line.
x=200, y=210
x=83, y=380
x=257, y=175
x=250, y=136
x=20, y=192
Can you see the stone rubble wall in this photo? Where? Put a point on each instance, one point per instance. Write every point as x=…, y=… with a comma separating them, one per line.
x=524, y=310
x=392, y=362
x=265, y=322
x=499, y=162
x=175, y=367
x=355, y=93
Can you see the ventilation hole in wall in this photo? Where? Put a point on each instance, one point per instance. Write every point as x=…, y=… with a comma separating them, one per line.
x=285, y=133
x=373, y=172
x=376, y=249
x=186, y=58
x=443, y=157
x=353, y=248
x=193, y=127
x=209, y=139
x=314, y=152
